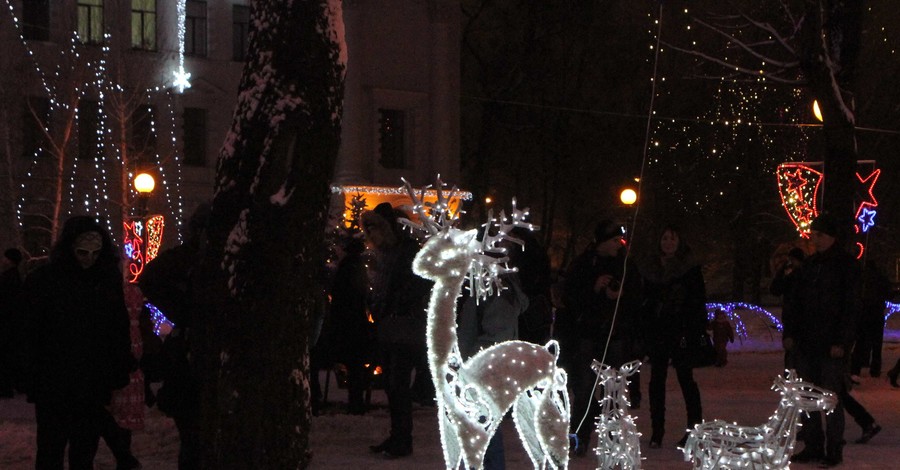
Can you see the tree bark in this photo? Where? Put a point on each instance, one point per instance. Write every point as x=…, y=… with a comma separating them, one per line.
x=258, y=284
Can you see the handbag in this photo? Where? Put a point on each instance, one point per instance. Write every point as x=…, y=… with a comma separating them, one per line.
x=694, y=351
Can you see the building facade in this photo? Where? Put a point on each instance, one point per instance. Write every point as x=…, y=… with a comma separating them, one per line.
x=89, y=97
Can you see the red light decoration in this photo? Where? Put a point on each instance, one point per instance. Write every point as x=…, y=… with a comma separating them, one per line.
x=799, y=185
x=141, y=243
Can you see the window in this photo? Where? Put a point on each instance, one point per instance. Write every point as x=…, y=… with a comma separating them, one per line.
x=34, y=115
x=90, y=21
x=36, y=20
x=143, y=134
x=391, y=129
x=194, y=136
x=195, y=28
x=88, y=130
x=240, y=29
x=143, y=24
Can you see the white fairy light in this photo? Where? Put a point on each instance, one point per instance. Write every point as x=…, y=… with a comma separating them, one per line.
x=474, y=395
x=181, y=79
x=718, y=444
x=618, y=440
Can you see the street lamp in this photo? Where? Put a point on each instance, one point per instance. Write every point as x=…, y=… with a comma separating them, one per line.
x=816, y=111
x=143, y=184
x=628, y=197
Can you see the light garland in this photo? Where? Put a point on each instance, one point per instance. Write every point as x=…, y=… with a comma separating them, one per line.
x=474, y=395
x=161, y=324
x=395, y=191
x=799, y=185
x=618, y=440
x=142, y=239
x=891, y=308
x=717, y=444
x=181, y=79
x=729, y=308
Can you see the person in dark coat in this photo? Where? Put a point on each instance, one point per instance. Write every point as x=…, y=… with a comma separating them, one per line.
x=534, y=274
x=604, y=294
x=398, y=303
x=874, y=291
x=167, y=284
x=77, y=343
x=675, y=311
x=10, y=315
x=783, y=285
x=822, y=335
x=350, y=339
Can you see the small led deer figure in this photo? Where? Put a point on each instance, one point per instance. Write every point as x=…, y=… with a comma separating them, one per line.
x=717, y=444
x=618, y=440
x=474, y=395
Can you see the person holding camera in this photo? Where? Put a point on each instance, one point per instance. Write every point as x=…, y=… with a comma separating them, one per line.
x=783, y=285
x=603, y=293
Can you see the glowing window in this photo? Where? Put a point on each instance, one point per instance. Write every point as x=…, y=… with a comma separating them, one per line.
x=143, y=24
x=90, y=21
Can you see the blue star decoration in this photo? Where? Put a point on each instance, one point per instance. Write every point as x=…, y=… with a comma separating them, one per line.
x=866, y=219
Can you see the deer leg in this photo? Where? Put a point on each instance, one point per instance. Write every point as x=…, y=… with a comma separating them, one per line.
x=523, y=415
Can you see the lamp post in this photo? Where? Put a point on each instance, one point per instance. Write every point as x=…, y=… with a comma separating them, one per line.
x=143, y=233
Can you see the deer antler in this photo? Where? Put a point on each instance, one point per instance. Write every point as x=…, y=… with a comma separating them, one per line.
x=433, y=216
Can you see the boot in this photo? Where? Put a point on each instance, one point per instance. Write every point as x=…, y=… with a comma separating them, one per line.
x=892, y=375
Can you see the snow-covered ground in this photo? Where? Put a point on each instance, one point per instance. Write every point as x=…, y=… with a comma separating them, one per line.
x=739, y=392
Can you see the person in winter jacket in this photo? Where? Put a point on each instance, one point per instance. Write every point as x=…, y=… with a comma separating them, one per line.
x=398, y=303
x=604, y=295
x=350, y=336
x=675, y=314
x=77, y=343
x=822, y=334
x=783, y=284
x=167, y=283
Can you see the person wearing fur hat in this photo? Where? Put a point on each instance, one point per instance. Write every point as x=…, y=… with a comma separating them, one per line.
x=675, y=312
x=821, y=336
x=603, y=293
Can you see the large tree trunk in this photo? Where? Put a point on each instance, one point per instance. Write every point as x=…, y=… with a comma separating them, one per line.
x=258, y=281
x=830, y=44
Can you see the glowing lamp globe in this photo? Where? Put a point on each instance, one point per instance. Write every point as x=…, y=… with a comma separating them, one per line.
x=144, y=183
x=816, y=111
x=628, y=197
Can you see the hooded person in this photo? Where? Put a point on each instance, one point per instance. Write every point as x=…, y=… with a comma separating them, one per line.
x=77, y=346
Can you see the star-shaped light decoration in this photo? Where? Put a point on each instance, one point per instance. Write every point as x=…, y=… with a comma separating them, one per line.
x=866, y=218
x=795, y=182
x=798, y=185
x=181, y=80
x=865, y=194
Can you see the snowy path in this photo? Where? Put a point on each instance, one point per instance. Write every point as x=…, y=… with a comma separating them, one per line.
x=739, y=392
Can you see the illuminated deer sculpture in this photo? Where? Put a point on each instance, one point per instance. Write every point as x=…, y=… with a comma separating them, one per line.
x=474, y=395
x=717, y=444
